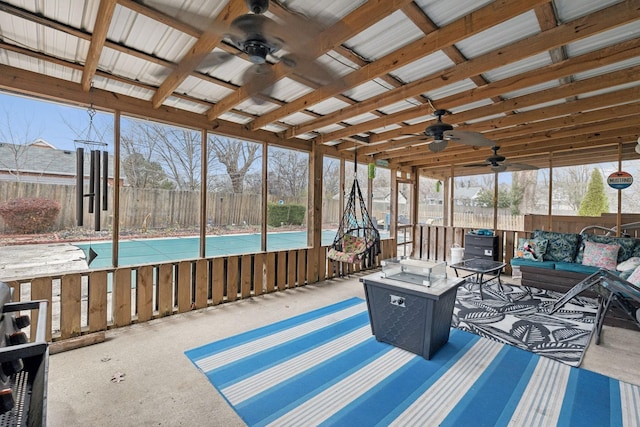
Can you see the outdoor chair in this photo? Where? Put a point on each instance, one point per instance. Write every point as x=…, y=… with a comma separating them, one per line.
x=611, y=290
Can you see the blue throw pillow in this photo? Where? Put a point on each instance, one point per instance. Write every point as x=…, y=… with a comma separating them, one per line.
x=561, y=247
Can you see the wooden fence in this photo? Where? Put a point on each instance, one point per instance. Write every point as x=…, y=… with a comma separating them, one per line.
x=147, y=209
x=83, y=303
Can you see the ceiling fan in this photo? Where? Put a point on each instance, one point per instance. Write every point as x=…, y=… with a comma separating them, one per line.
x=442, y=132
x=498, y=163
x=261, y=39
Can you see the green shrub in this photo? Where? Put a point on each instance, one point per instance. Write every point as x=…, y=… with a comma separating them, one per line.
x=29, y=215
x=285, y=214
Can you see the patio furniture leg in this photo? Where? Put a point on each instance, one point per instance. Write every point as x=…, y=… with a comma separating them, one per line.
x=602, y=311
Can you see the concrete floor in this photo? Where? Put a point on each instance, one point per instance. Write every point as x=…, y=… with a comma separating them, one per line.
x=161, y=387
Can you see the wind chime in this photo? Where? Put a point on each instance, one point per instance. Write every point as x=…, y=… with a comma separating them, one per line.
x=97, y=197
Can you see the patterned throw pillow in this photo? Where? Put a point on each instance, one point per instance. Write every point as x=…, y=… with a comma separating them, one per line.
x=532, y=249
x=562, y=247
x=628, y=265
x=634, y=279
x=627, y=245
x=600, y=255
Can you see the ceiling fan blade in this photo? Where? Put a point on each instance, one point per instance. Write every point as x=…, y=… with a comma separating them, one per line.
x=468, y=138
x=520, y=166
x=258, y=81
x=437, y=146
x=477, y=165
x=195, y=20
x=297, y=30
x=310, y=69
x=214, y=59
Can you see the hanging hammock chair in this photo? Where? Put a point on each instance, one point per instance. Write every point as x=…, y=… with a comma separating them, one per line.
x=358, y=238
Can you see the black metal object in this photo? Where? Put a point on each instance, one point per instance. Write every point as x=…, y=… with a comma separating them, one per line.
x=98, y=185
x=23, y=365
x=414, y=318
x=80, y=186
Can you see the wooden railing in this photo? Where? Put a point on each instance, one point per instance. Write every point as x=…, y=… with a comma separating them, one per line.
x=435, y=242
x=96, y=300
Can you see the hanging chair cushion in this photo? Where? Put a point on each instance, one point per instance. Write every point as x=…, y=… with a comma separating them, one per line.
x=352, y=249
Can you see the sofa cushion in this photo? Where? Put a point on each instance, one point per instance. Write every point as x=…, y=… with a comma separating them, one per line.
x=601, y=255
x=576, y=267
x=627, y=245
x=634, y=277
x=531, y=263
x=560, y=247
x=532, y=249
x=629, y=264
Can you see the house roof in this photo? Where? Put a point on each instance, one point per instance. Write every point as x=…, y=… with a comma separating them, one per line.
x=550, y=82
x=42, y=163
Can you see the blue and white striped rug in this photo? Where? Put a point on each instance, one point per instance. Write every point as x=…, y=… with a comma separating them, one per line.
x=326, y=368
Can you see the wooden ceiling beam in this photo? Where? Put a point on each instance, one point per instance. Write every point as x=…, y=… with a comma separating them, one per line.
x=98, y=38
x=522, y=147
x=466, y=26
x=519, y=152
x=577, y=88
x=611, y=117
x=204, y=45
x=352, y=24
x=601, y=154
x=600, y=21
x=37, y=85
x=536, y=116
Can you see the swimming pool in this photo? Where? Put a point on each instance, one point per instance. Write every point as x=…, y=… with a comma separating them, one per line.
x=146, y=251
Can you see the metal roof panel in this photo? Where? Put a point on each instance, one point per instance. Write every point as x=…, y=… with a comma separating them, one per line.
x=568, y=10
x=505, y=33
x=604, y=39
x=430, y=64
x=202, y=89
x=451, y=89
x=328, y=106
x=531, y=63
x=445, y=12
x=385, y=36
x=366, y=90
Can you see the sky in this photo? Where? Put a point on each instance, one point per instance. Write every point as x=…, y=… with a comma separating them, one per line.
x=59, y=125
x=29, y=119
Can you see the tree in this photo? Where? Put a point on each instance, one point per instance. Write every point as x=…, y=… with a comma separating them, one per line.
x=330, y=177
x=142, y=173
x=570, y=185
x=484, y=197
x=15, y=152
x=595, y=201
x=288, y=173
x=236, y=156
x=523, y=198
x=175, y=150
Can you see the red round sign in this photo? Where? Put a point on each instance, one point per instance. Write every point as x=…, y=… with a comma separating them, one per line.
x=620, y=180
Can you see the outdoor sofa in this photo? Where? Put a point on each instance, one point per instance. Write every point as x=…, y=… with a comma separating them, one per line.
x=558, y=261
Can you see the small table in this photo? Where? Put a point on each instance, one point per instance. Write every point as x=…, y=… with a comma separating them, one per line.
x=479, y=267
x=411, y=316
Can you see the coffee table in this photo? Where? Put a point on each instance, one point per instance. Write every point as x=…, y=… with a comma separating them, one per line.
x=479, y=268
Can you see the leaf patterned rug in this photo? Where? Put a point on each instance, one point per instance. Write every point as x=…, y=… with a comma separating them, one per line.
x=520, y=318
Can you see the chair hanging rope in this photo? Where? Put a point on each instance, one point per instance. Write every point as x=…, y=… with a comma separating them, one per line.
x=357, y=238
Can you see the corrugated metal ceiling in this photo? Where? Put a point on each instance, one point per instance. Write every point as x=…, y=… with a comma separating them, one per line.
x=380, y=92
